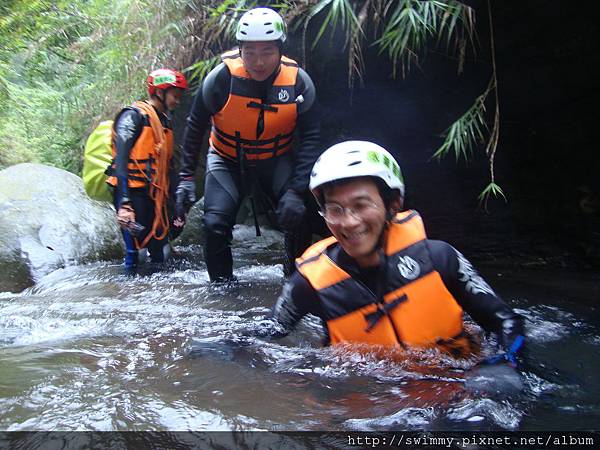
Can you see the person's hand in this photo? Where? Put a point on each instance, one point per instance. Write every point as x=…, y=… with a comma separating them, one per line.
x=497, y=374
x=510, y=356
x=125, y=215
x=180, y=212
x=186, y=191
x=185, y=198
x=290, y=210
x=497, y=379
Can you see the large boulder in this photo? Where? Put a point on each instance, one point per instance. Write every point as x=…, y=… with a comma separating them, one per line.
x=47, y=222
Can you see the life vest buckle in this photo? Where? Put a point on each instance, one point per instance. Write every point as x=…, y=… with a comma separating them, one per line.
x=383, y=309
x=263, y=106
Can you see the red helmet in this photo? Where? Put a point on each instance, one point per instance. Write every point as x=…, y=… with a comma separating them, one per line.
x=165, y=78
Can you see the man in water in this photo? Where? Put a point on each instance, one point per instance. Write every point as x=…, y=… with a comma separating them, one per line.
x=255, y=101
x=379, y=279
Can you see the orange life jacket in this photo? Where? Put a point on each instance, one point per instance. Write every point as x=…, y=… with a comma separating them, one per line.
x=415, y=308
x=236, y=127
x=148, y=166
x=144, y=156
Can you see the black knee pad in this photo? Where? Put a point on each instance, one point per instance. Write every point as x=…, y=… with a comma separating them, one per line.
x=217, y=224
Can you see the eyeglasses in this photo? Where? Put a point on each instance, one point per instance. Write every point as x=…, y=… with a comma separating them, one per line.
x=334, y=213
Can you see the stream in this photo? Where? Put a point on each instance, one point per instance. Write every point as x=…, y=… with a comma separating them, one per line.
x=88, y=348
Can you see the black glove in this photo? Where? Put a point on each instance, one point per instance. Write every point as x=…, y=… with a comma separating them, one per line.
x=186, y=197
x=290, y=210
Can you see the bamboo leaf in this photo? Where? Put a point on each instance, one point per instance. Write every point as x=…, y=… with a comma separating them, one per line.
x=491, y=190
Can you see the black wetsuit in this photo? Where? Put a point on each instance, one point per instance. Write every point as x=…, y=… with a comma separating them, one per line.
x=128, y=127
x=224, y=188
x=472, y=293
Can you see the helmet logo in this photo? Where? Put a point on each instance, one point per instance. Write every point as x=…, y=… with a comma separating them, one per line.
x=160, y=79
x=283, y=96
x=408, y=267
x=376, y=158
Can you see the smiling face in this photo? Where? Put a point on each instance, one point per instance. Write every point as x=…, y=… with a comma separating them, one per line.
x=359, y=231
x=260, y=58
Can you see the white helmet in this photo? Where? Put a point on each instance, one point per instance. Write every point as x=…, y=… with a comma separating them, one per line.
x=351, y=159
x=260, y=24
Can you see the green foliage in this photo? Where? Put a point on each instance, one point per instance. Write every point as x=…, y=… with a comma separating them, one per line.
x=466, y=133
x=29, y=127
x=412, y=25
x=340, y=12
x=199, y=70
x=66, y=65
x=492, y=190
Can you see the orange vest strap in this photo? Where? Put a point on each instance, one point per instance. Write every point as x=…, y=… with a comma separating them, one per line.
x=248, y=143
x=157, y=128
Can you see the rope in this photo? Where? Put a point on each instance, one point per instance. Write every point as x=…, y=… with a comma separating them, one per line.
x=159, y=187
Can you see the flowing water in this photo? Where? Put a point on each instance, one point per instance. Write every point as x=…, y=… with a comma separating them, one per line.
x=90, y=349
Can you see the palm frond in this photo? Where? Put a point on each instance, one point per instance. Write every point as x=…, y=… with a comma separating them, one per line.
x=405, y=33
x=412, y=24
x=491, y=190
x=341, y=13
x=199, y=70
x=466, y=132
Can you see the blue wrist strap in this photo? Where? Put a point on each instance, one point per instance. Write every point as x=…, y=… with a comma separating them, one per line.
x=510, y=355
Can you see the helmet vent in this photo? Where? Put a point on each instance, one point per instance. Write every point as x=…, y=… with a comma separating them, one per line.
x=243, y=32
x=269, y=32
x=353, y=151
x=245, y=24
x=268, y=23
x=354, y=163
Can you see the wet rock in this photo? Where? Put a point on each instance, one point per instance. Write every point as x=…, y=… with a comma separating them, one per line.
x=192, y=232
x=47, y=222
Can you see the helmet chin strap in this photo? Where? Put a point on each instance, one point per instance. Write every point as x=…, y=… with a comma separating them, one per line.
x=166, y=111
x=380, y=248
x=162, y=100
x=381, y=243
x=383, y=237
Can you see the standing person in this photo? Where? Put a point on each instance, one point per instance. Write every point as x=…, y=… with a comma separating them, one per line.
x=142, y=164
x=379, y=279
x=254, y=101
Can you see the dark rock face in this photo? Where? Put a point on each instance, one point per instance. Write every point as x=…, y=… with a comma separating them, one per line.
x=546, y=161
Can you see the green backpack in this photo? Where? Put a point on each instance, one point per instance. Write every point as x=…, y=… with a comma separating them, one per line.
x=97, y=158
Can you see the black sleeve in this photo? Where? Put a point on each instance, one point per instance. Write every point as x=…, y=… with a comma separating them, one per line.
x=128, y=127
x=474, y=294
x=209, y=99
x=296, y=300
x=309, y=132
